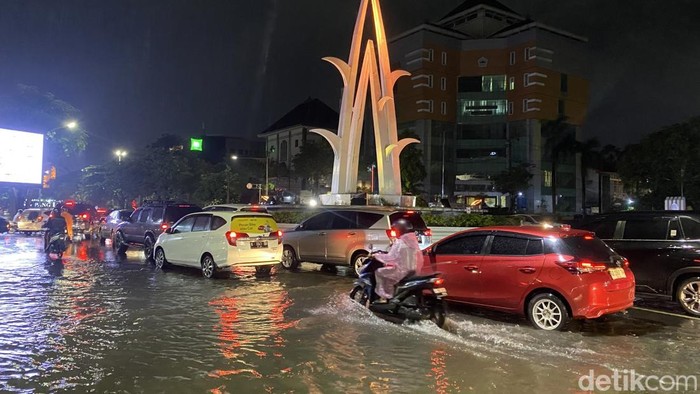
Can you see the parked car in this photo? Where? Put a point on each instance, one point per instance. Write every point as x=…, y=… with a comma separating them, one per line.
x=235, y=207
x=549, y=275
x=112, y=221
x=217, y=241
x=345, y=236
x=4, y=225
x=32, y=220
x=147, y=222
x=663, y=249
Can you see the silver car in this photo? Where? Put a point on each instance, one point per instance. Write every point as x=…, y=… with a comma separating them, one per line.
x=32, y=220
x=112, y=221
x=346, y=236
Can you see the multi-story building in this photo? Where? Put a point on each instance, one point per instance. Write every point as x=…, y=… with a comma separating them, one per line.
x=487, y=87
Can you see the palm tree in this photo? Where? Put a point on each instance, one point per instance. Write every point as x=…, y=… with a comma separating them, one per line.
x=558, y=140
x=590, y=158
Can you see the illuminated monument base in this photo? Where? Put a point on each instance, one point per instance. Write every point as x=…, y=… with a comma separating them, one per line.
x=372, y=199
x=371, y=75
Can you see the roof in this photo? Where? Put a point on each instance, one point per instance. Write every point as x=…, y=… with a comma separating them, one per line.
x=312, y=113
x=469, y=4
x=537, y=231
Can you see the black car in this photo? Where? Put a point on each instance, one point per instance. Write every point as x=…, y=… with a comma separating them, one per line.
x=4, y=225
x=146, y=223
x=663, y=249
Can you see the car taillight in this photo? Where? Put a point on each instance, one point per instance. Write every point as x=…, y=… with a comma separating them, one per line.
x=576, y=266
x=625, y=263
x=232, y=237
x=164, y=226
x=391, y=234
x=39, y=218
x=279, y=237
x=85, y=216
x=428, y=232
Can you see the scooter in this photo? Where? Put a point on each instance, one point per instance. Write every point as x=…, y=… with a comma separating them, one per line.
x=57, y=245
x=416, y=297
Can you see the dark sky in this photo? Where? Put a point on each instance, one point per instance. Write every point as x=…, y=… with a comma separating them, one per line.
x=141, y=68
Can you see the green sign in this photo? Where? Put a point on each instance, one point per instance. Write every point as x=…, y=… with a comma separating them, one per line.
x=196, y=144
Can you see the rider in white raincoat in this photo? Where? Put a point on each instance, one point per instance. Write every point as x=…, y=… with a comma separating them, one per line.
x=403, y=257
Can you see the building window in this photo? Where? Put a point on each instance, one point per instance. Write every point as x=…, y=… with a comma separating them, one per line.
x=564, y=83
x=547, y=178
x=425, y=106
x=511, y=83
x=444, y=58
x=418, y=55
x=472, y=108
x=528, y=54
x=422, y=80
x=296, y=143
x=510, y=108
x=430, y=55
x=443, y=83
x=485, y=83
x=283, y=151
x=512, y=58
x=530, y=79
x=531, y=105
x=443, y=108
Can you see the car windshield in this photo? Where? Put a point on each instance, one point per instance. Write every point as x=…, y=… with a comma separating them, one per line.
x=583, y=247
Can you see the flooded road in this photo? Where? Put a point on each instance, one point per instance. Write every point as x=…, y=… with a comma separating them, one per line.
x=97, y=322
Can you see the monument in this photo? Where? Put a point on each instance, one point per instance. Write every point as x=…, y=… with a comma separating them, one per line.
x=376, y=75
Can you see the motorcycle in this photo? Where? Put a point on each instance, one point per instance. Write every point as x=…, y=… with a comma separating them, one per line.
x=57, y=245
x=416, y=298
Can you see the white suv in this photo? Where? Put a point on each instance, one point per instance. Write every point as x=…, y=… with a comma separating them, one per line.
x=217, y=241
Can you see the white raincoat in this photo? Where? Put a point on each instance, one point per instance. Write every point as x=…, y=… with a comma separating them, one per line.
x=403, y=256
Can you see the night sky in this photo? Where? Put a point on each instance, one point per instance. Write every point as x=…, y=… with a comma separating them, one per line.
x=138, y=69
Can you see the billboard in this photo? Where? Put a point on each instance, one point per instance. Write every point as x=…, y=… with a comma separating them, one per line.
x=21, y=157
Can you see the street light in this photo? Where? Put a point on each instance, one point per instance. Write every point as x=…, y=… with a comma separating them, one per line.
x=120, y=154
x=70, y=124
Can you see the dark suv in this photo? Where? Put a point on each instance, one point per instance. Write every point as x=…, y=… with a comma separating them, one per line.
x=147, y=222
x=663, y=249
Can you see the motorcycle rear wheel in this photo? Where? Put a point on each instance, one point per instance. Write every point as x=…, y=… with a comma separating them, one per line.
x=438, y=315
x=358, y=295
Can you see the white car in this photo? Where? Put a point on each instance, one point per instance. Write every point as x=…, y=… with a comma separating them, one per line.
x=32, y=220
x=218, y=241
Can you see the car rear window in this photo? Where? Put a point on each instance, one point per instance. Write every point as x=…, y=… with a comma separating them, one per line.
x=253, y=224
x=583, y=247
x=175, y=212
x=33, y=215
x=413, y=217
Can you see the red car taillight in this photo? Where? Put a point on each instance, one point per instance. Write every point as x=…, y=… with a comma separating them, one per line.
x=391, y=233
x=428, y=232
x=232, y=237
x=625, y=263
x=40, y=218
x=576, y=266
x=279, y=237
x=164, y=226
x=85, y=216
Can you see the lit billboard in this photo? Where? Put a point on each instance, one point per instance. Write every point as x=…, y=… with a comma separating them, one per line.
x=21, y=157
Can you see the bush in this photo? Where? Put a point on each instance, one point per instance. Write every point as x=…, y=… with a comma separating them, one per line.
x=469, y=220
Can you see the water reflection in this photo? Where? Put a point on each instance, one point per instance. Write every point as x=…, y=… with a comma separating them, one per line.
x=250, y=327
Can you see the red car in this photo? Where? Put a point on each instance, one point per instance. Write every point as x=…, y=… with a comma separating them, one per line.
x=549, y=274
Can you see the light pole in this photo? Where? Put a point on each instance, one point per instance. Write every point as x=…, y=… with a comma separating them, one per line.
x=267, y=170
x=120, y=154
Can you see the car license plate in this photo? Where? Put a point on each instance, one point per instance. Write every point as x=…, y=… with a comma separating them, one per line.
x=617, y=273
x=258, y=244
x=440, y=291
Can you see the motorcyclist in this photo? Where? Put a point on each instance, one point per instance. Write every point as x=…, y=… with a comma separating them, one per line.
x=55, y=225
x=403, y=258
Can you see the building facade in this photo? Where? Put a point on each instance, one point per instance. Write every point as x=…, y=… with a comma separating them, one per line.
x=490, y=89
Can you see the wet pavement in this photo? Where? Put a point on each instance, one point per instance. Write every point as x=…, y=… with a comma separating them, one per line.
x=97, y=322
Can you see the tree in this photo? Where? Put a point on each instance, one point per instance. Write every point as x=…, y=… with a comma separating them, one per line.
x=664, y=163
x=559, y=140
x=313, y=163
x=514, y=180
x=412, y=168
x=590, y=158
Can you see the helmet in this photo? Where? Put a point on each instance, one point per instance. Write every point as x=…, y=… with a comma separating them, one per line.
x=55, y=212
x=402, y=226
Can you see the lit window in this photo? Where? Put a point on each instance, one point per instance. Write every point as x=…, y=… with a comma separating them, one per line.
x=444, y=58
x=547, y=178
x=512, y=58
x=443, y=83
x=471, y=108
x=511, y=83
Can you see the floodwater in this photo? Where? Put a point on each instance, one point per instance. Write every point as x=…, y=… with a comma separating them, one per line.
x=96, y=322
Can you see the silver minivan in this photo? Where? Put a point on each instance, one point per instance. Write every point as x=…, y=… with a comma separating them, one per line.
x=345, y=236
